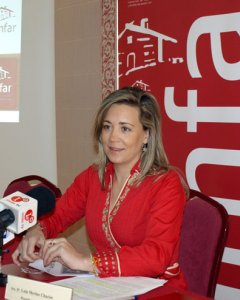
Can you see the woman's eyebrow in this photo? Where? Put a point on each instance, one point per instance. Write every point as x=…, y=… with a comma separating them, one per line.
x=126, y=123
x=121, y=123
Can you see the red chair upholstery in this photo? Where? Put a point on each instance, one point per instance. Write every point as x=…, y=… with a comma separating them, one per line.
x=24, y=184
x=203, y=238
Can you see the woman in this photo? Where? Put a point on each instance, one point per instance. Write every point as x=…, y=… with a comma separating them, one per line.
x=132, y=200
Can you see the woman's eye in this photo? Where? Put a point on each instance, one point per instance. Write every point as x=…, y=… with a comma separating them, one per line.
x=106, y=126
x=125, y=129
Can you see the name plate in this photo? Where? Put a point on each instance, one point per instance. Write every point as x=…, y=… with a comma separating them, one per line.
x=27, y=289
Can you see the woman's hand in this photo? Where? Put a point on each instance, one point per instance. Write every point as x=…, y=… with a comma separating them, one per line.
x=26, y=250
x=61, y=250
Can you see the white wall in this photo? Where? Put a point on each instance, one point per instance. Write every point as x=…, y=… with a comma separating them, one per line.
x=29, y=147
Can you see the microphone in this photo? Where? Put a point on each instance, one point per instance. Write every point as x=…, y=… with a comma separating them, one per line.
x=20, y=211
x=46, y=200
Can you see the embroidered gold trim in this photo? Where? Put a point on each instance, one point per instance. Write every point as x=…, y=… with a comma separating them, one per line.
x=107, y=216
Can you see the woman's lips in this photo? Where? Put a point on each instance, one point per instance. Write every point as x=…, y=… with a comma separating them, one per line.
x=115, y=149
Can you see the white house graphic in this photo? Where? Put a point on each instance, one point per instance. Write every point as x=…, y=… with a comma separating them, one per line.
x=5, y=13
x=142, y=85
x=142, y=46
x=4, y=74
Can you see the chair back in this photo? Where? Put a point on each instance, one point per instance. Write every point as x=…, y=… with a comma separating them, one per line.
x=203, y=238
x=24, y=184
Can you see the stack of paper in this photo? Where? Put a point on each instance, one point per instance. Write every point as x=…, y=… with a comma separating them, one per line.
x=112, y=288
x=57, y=269
x=86, y=286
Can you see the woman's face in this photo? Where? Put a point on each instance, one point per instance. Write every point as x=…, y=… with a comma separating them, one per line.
x=123, y=135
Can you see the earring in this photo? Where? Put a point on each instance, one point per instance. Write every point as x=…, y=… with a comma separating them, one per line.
x=144, y=148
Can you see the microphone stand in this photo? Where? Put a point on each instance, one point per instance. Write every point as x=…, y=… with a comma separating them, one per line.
x=6, y=218
x=3, y=277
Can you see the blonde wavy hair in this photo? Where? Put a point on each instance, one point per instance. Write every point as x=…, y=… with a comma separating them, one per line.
x=154, y=159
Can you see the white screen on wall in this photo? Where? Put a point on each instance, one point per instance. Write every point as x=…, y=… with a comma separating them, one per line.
x=10, y=53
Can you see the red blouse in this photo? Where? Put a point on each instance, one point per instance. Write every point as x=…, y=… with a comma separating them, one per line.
x=140, y=236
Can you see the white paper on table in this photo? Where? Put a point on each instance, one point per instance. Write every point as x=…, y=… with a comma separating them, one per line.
x=57, y=269
x=111, y=288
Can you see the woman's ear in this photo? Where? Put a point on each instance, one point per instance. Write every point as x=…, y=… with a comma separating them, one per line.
x=146, y=137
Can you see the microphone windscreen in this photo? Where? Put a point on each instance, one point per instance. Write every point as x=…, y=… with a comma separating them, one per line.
x=45, y=197
x=6, y=218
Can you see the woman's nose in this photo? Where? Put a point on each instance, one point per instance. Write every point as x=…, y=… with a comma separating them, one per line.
x=114, y=134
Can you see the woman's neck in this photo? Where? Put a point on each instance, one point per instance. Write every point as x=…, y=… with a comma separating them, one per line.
x=121, y=174
x=120, y=179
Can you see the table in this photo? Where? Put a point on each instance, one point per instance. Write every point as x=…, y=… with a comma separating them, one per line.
x=161, y=293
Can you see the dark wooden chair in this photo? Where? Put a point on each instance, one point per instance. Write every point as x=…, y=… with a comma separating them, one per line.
x=203, y=238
